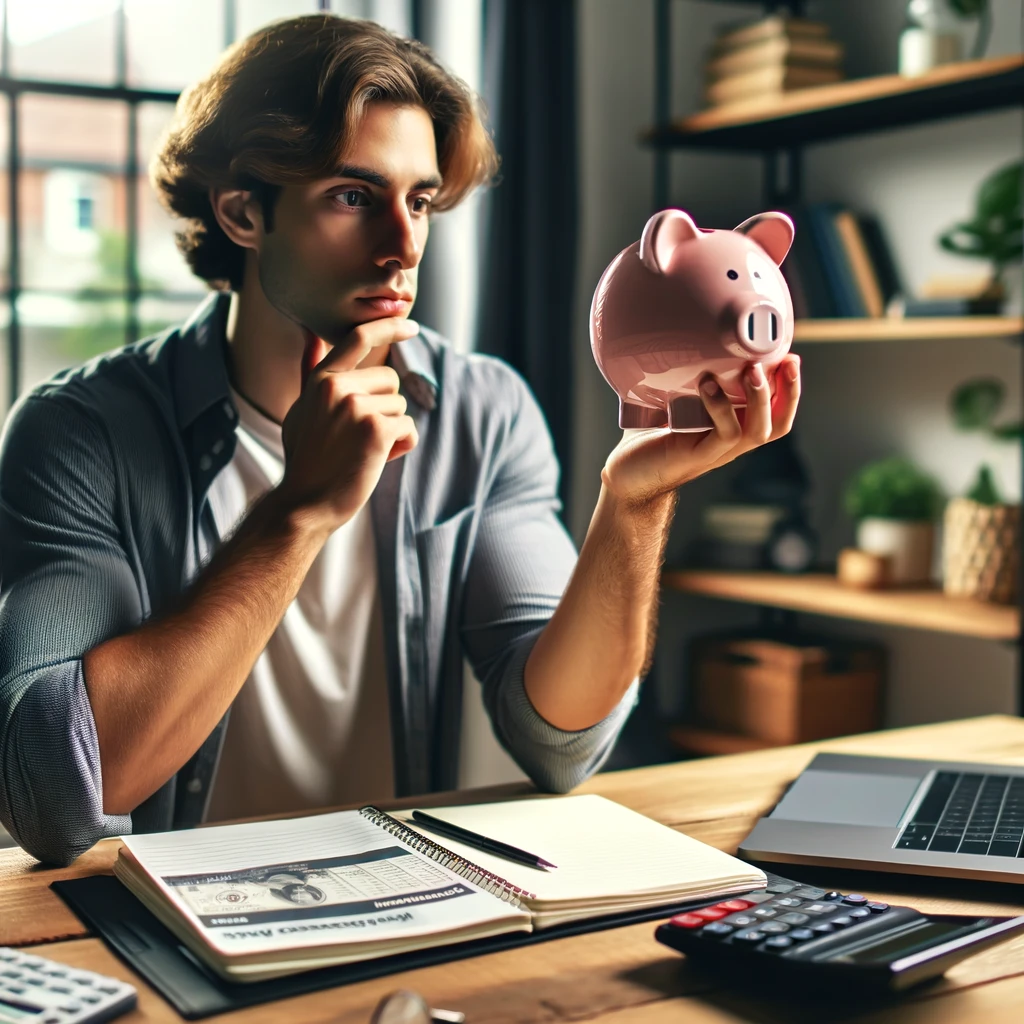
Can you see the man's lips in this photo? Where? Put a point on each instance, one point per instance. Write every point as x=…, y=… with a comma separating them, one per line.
x=391, y=305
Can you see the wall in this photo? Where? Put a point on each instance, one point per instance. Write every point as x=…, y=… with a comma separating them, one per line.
x=860, y=401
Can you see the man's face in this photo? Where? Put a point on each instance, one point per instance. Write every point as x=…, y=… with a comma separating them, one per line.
x=346, y=249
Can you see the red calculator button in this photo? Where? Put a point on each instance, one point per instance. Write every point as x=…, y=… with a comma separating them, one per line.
x=711, y=913
x=733, y=905
x=688, y=921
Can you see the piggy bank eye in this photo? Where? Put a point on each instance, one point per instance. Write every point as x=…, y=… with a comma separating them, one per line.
x=732, y=275
x=757, y=275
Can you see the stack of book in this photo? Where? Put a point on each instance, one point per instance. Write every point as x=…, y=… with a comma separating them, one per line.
x=768, y=57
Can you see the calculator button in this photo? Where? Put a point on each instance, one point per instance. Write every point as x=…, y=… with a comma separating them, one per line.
x=33, y=981
x=844, y=921
x=741, y=920
x=64, y=990
x=822, y=929
x=792, y=918
x=801, y=934
x=89, y=997
x=764, y=912
x=779, y=942
x=821, y=908
x=859, y=912
x=72, y=1006
x=735, y=904
x=711, y=913
x=751, y=937
x=757, y=897
x=780, y=887
x=111, y=990
x=788, y=901
x=878, y=908
x=774, y=928
x=855, y=899
x=832, y=895
x=717, y=930
x=16, y=989
x=680, y=921
x=809, y=892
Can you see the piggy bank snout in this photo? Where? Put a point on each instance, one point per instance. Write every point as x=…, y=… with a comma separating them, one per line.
x=758, y=326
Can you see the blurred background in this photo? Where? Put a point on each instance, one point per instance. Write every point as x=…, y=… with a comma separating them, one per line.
x=575, y=89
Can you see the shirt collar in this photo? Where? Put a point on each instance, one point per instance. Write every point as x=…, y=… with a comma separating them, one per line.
x=202, y=380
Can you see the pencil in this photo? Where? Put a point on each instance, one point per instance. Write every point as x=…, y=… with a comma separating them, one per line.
x=479, y=842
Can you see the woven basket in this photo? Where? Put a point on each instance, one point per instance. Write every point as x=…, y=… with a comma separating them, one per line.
x=981, y=550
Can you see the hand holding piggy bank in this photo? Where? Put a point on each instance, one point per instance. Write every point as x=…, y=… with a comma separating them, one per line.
x=684, y=302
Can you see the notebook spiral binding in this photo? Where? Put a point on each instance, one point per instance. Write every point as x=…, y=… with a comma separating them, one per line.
x=486, y=880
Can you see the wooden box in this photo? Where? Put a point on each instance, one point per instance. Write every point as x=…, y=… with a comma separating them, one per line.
x=786, y=690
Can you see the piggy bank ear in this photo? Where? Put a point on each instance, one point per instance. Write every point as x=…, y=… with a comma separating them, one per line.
x=666, y=230
x=772, y=231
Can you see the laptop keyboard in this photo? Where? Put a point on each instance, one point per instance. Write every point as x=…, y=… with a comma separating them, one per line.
x=968, y=812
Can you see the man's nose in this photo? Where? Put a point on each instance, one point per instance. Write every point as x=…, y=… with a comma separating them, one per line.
x=400, y=243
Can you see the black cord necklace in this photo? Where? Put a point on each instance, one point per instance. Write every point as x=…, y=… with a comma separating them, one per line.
x=259, y=408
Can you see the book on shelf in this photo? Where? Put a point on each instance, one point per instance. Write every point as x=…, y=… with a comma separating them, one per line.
x=775, y=52
x=859, y=262
x=767, y=81
x=774, y=26
x=840, y=263
x=265, y=899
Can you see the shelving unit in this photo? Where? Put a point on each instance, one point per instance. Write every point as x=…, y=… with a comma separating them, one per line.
x=777, y=129
x=821, y=594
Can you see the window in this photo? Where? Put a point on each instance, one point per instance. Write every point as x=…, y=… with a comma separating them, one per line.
x=87, y=254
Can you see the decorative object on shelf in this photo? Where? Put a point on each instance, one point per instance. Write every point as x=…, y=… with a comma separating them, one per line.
x=981, y=544
x=863, y=569
x=976, y=403
x=770, y=56
x=786, y=688
x=994, y=233
x=682, y=300
x=895, y=505
x=935, y=30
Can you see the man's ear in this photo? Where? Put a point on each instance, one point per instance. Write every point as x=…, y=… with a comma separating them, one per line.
x=239, y=216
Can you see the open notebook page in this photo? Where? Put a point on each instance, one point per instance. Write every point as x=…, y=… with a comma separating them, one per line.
x=327, y=880
x=607, y=855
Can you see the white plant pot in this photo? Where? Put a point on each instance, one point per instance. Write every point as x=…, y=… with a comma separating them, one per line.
x=909, y=545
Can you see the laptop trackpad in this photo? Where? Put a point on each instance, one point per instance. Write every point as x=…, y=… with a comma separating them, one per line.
x=847, y=798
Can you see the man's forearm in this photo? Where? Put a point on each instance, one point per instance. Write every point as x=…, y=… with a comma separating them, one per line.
x=602, y=633
x=157, y=692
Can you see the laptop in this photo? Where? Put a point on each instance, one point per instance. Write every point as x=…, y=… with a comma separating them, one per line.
x=893, y=814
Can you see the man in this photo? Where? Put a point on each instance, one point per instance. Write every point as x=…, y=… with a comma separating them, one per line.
x=301, y=506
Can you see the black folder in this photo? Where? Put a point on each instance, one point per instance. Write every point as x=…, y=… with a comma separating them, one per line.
x=153, y=952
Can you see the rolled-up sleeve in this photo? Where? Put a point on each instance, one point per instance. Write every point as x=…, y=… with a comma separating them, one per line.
x=521, y=563
x=66, y=584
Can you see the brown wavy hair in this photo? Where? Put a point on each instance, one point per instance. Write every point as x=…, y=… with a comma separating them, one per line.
x=281, y=106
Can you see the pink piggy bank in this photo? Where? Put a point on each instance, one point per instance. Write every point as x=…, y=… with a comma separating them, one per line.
x=685, y=301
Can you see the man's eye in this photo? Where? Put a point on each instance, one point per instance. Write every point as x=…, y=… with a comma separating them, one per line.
x=353, y=197
x=422, y=204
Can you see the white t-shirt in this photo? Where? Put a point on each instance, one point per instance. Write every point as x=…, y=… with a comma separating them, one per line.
x=310, y=726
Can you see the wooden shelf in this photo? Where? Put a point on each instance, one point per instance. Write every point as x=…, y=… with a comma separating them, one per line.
x=710, y=742
x=821, y=594
x=850, y=108
x=909, y=329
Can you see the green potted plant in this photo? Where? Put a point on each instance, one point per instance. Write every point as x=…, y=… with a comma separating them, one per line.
x=994, y=233
x=895, y=505
x=981, y=531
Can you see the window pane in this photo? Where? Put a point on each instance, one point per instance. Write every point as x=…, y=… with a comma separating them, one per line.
x=71, y=193
x=63, y=40
x=58, y=331
x=171, y=46
x=4, y=205
x=161, y=267
x=158, y=311
x=254, y=13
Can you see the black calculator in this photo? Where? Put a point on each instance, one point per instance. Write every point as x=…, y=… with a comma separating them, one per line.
x=790, y=932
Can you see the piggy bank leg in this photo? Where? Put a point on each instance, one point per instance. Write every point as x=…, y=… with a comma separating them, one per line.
x=640, y=417
x=687, y=413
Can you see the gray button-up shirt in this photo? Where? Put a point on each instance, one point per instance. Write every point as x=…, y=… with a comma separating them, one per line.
x=104, y=521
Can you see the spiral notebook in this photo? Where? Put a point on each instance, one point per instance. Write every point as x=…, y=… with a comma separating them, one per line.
x=265, y=899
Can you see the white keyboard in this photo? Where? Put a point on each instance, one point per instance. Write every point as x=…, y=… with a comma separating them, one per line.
x=34, y=990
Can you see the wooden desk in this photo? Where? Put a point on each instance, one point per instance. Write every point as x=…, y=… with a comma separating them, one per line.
x=621, y=976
